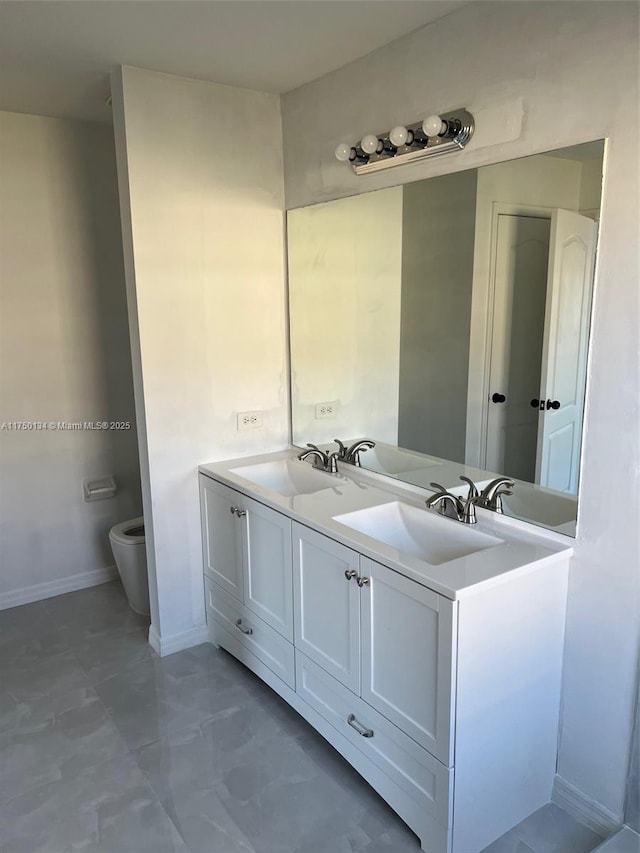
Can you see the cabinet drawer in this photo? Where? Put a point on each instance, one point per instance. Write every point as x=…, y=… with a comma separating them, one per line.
x=265, y=643
x=396, y=755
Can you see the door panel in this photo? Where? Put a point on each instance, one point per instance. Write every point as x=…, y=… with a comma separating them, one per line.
x=221, y=536
x=407, y=641
x=268, y=582
x=570, y=283
x=327, y=605
x=520, y=288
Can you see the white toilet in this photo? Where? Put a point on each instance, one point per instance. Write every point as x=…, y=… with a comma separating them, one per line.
x=127, y=544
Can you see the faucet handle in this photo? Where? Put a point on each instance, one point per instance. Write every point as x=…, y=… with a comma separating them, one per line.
x=342, y=452
x=469, y=508
x=473, y=489
x=331, y=465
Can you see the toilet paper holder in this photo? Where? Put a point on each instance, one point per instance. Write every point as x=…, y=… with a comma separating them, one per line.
x=99, y=488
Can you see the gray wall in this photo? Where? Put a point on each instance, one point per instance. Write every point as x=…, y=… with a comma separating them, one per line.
x=64, y=355
x=437, y=278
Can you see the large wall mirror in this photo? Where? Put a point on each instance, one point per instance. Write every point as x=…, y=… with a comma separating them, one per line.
x=448, y=320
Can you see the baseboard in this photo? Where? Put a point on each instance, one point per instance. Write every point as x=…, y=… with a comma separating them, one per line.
x=39, y=591
x=177, y=642
x=589, y=812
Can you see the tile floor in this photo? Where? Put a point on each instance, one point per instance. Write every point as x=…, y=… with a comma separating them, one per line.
x=106, y=747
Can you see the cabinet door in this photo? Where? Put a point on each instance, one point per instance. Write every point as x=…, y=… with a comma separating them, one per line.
x=268, y=578
x=221, y=536
x=407, y=652
x=327, y=604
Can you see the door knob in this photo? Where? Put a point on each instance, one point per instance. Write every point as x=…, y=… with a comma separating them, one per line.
x=350, y=573
x=535, y=403
x=553, y=404
x=362, y=581
x=498, y=398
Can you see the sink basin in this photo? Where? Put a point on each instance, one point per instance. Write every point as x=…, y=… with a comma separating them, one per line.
x=287, y=477
x=392, y=460
x=418, y=532
x=542, y=506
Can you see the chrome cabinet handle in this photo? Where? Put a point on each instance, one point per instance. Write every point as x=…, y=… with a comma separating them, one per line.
x=236, y=510
x=350, y=573
x=233, y=510
x=244, y=630
x=362, y=730
x=362, y=581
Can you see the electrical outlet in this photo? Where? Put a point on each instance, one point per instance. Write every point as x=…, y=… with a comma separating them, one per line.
x=327, y=410
x=249, y=420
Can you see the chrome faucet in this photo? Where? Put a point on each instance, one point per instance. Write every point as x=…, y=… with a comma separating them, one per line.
x=463, y=510
x=491, y=495
x=324, y=461
x=352, y=454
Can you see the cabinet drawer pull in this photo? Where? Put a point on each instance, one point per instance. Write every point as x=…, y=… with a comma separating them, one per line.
x=350, y=573
x=362, y=730
x=362, y=581
x=244, y=630
x=233, y=510
x=241, y=512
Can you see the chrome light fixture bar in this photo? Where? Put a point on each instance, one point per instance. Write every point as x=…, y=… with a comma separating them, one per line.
x=437, y=134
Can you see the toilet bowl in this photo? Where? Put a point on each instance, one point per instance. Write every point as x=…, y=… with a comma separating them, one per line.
x=127, y=543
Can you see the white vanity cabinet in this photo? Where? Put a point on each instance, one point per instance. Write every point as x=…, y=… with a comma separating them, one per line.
x=388, y=639
x=248, y=579
x=448, y=705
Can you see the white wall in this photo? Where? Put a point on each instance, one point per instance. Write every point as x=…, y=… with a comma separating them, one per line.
x=573, y=69
x=64, y=356
x=204, y=248
x=591, y=188
x=345, y=272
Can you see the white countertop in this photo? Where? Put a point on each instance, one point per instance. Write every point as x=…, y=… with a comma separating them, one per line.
x=523, y=549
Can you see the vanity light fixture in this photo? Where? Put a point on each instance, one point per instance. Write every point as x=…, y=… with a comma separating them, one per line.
x=437, y=134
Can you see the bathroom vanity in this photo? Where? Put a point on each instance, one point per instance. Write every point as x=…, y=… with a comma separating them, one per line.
x=427, y=652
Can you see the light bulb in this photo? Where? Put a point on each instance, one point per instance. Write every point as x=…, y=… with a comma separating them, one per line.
x=434, y=126
x=369, y=143
x=343, y=152
x=398, y=135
